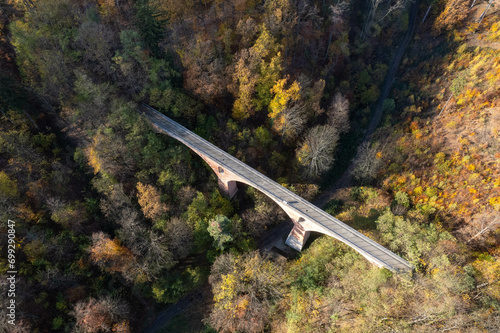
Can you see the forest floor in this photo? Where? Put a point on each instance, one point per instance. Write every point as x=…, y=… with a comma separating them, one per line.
x=479, y=40
x=174, y=319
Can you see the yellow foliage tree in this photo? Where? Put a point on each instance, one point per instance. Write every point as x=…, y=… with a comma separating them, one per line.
x=149, y=200
x=244, y=289
x=282, y=96
x=453, y=15
x=108, y=8
x=252, y=67
x=8, y=187
x=93, y=155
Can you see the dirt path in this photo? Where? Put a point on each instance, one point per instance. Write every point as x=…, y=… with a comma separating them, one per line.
x=475, y=41
x=345, y=179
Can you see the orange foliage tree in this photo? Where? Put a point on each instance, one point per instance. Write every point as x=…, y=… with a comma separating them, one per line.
x=110, y=254
x=103, y=315
x=453, y=14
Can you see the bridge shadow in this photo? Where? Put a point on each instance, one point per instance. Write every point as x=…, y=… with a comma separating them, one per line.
x=246, y=200
x=312, y=237
x=358, y=222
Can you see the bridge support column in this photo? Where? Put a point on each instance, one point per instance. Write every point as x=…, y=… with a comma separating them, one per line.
x=297, y=237
x=228, y=188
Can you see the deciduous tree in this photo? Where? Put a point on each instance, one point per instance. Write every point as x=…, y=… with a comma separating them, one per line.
x=180, y=238
x=97, y=43
x=291, y=121
x=378, y=10
x=480, y=227
x=92, y=100
x=105, y=314
x=8, y=187
x=453, y=14
x=366, y=164
x=107, y=154
x=282, y=96
x=315, y=154
x=244, y=290
x=258, y=65
x=218, y=228
x=110, y=254
x=150, y=202
x=338, y=113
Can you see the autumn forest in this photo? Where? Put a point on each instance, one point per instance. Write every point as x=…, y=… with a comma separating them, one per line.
x=386, y=113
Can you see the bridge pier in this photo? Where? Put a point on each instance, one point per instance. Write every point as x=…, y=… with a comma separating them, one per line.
x=228, y=188
x=297, y=237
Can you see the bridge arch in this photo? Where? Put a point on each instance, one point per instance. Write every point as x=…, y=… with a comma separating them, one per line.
x=305, y=216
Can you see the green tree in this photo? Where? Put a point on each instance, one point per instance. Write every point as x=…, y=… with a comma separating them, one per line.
x=150, y=25
x=413, y=240
x=92, y=100
x=8, y=187
x=44, y=42
x=219, y=229
x=401, y=203
x=263, y=136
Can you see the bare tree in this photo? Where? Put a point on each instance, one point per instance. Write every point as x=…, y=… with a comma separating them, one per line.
x=101, y=315
x=291, y=121
x=150, y=248
x=98, y=43
x=180, y=238
x=338, y=113
x=247, y=28
x=366, y=164
x=54, y=204
x=157, y=255
x=315, y=154
x=337, y=19
x=116, y=203
x=481, y=226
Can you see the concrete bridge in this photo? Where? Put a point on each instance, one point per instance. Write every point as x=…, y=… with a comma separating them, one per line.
x=305, y=216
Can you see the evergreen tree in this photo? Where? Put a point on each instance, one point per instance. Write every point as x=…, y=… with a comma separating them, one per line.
x=151, y=27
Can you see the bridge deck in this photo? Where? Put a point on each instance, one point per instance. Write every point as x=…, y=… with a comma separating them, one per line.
x=364, y=245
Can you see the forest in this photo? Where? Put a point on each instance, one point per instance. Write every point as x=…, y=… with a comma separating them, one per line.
x=118, y=226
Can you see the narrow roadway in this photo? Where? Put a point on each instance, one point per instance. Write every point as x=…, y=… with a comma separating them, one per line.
x=330, y=225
